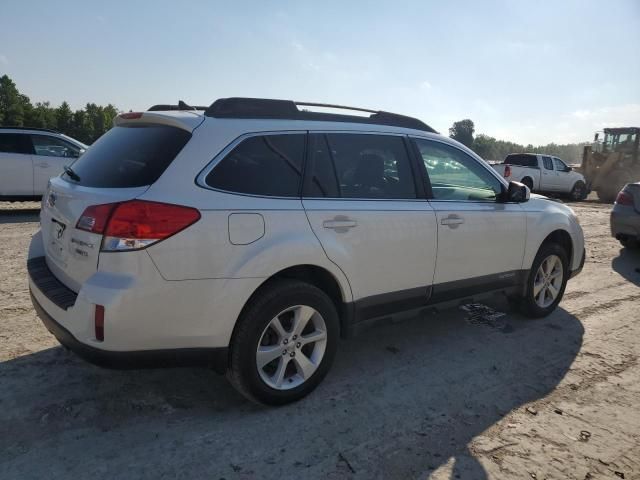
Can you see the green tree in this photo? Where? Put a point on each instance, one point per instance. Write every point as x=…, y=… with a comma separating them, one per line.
x=462, y=131
x=64, y=117
x=86, y=124
x=11, y=103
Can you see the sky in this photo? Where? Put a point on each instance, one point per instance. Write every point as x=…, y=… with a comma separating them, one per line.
x=526, y=71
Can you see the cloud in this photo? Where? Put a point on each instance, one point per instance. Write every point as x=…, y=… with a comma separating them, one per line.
x=626, y=115
x=4, y=60
x=425, y=85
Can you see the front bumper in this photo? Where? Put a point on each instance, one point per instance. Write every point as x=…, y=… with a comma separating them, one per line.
x=581, y=266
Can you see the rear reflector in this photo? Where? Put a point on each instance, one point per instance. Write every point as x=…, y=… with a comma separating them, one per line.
x=99, y=322
x=624, y=198
x=136, y=224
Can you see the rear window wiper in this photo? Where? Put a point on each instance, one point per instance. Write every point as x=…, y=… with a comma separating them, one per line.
x=72, y=175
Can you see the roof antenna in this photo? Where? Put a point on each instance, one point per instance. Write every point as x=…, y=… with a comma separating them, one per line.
x=184, y=106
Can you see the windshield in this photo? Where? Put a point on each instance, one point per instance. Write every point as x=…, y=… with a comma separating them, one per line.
x=619, y=142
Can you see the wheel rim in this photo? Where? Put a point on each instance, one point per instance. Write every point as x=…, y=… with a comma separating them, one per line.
x=291, y=347
x=548, y=281
x=577, y=192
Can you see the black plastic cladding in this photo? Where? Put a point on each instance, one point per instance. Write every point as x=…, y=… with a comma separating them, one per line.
x=238, y=107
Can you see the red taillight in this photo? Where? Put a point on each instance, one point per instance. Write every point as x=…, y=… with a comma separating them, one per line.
x=94, y=219
x=136, y=224
x=624, y=198
x=99, y=322
x=507, y=171
x=131, y=115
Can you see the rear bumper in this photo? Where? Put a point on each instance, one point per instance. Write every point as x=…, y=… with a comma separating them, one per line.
x=625, y=222
x=210, y=357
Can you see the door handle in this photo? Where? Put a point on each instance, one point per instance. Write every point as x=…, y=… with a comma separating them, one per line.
x=42, y=165
x=452, y=221
x=340, y=223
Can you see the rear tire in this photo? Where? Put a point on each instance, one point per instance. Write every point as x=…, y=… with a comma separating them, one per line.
x=528, y=182
x=547, y=281
x=268, y=327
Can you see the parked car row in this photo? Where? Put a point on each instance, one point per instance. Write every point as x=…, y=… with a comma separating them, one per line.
x=251, y=235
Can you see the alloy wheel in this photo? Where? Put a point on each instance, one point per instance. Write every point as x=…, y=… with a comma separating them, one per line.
x=548, y=281
x=291, y=347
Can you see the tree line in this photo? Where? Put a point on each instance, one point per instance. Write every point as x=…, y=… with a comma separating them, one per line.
x=490, y=148
x=86, y=124
x=89, y=123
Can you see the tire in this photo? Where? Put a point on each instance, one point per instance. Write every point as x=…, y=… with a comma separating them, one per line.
x=282, y=379
x=528, y=182
x=530, y=304
x=578, y=192
x=629, y=243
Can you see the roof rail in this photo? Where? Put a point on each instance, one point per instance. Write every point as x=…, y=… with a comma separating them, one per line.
x=180, y=106
x=238, y=107
x=13, y=127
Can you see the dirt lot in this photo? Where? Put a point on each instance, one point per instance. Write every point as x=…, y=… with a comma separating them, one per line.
x=431, y=397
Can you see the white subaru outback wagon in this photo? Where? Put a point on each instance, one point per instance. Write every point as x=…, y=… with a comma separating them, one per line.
x=251, y=235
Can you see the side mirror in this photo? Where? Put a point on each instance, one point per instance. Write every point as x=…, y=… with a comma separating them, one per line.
x=518, y=192
x=568, y=169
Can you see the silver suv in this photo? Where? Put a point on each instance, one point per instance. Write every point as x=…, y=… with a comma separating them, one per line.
x=253, y=234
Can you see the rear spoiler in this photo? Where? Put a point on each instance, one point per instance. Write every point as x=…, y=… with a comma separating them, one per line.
x=180, y=106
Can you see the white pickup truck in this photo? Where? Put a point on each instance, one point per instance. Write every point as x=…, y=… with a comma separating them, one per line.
x=543, y=173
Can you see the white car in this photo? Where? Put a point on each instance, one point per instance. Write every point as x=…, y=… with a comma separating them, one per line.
x=543, y=173
x=29, y=157
x=253, y=235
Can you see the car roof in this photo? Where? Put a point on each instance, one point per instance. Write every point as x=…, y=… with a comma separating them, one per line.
x=243, y=108
x=30, y=129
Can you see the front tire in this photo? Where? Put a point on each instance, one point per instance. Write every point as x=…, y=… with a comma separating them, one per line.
x=578, y=192
x=547, y=281
x=284, y=343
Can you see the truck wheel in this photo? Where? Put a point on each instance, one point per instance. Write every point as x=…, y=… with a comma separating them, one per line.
x=547, y=280
x=528, y=182
x=606, y=196
x=578, y=192
x=284, y=343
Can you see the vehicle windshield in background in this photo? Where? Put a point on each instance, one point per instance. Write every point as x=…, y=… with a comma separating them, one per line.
x=523, y=160
x=129, y=156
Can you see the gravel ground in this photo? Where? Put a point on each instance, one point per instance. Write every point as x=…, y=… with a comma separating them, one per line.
x=430, y=397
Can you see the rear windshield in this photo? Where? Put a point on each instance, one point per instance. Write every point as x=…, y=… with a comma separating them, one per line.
x=522, y=159
x=131, y=156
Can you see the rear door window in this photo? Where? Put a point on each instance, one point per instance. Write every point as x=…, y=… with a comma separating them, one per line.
x=15, y=143
x=523, y=160
x=131, y=156
x=367, y=166
x=548, y=163
x=265, y=165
